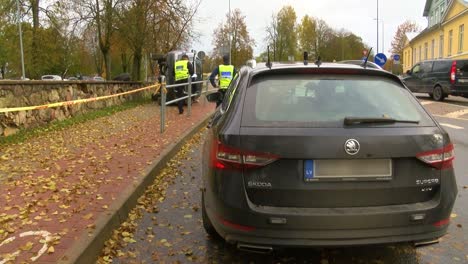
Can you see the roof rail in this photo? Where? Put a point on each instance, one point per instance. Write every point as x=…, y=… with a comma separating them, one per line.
x=306, y=58
x=318, y=62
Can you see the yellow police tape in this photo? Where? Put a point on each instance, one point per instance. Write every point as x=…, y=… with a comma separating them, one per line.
x=80, y=101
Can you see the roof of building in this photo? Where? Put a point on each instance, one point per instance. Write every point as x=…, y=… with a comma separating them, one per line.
x=412, y=35
x=426, y=13
x=427, y=8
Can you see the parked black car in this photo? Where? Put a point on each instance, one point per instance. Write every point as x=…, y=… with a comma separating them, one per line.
x=301, y=155
x=439, y=78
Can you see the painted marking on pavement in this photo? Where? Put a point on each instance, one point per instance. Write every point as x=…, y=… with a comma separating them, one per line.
x=451, y=126
x=46, y=236
x=427, y=102
x=457, y=114
x=464, y=119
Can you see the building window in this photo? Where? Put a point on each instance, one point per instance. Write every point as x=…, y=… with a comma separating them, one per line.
x=441, y=46
x=433, y=49
x=450, y=43
x=461, y=35
x=426, y=51
x=420, y=53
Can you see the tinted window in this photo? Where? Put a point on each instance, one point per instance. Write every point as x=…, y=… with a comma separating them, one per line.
x=442, y=66
x=462, y=65
x=231, y=91
x=416, y=69
x=308, y=101
x=426, y=66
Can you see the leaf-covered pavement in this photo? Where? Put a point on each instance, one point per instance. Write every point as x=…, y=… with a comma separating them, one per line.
x=61, y=181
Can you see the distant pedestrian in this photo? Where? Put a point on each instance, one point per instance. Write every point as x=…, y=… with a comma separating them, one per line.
x=225, y=73
x=183, y=70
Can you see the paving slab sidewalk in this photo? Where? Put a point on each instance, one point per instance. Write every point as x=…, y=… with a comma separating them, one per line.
x=60, y=191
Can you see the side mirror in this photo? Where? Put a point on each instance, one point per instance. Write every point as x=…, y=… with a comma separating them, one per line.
x=213, y=97
x=408, y=72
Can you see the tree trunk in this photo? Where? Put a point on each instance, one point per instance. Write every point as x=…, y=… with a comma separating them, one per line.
x=107, y=61
x=136, y=74
x=123, y=57
x=35, y=40
x=2, y=71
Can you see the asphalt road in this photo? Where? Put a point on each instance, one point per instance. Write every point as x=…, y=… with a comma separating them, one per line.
x=174, y=233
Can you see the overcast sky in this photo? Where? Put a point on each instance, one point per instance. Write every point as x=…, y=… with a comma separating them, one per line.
x=357, y=16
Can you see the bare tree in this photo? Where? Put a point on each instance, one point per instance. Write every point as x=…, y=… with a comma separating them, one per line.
x=241, y=43
x=142, y=21
x=101, y=15
x=399, y=40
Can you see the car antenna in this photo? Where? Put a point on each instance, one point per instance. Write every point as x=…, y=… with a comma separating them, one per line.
x=268, y=64
x=318, y=62
x=306, y=58
x=367, y=58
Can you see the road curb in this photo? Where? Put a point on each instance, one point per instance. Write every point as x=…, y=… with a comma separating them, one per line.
x=88, y=247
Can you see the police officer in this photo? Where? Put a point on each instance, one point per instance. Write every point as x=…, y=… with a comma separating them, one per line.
x=225, y=73
x=183, y=70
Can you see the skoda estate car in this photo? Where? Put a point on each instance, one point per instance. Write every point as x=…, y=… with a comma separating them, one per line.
x=324, y=155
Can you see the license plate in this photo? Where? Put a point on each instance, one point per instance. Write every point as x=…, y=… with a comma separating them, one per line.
x=348, y=170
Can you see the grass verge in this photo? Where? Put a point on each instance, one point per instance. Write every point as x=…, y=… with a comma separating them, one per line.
x=28, y=133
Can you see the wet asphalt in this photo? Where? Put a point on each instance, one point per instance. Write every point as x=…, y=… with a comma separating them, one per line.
x=174, y=234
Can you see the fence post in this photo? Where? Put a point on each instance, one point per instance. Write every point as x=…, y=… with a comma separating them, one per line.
x=189, y=104
x=163, y=106
x=206, y=92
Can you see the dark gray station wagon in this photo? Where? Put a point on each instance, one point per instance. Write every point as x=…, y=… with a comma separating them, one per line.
x=301, y=155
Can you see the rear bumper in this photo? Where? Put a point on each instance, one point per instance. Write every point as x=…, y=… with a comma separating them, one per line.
x=319, y=227
x=459, y=89
x=313, y=239
x=289, y=236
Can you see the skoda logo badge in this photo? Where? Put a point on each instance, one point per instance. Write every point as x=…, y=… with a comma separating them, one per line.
x=352, y=146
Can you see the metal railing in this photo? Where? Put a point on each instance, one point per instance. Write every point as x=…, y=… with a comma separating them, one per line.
x=188, y=97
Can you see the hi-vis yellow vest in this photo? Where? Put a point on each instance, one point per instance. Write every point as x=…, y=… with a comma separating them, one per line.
x=226, y=73
x=181, y=70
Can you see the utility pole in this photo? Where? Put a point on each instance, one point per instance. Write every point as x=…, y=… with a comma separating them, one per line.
x=383, y=36
x=377, y=26
x=18, y=13
x=230, y=33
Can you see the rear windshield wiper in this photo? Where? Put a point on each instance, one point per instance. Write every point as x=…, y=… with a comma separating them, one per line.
x=348, y=121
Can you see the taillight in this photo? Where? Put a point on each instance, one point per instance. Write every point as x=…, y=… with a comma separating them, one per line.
x=442, y=222
x=440, y=158
x=226, y=157
x=453, y=72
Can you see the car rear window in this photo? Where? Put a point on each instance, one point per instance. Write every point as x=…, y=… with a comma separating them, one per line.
x=324, y=101
x=463, y=66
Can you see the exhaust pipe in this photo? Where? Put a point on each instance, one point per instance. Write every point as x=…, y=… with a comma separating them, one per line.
x=255, y=248
x=426, y=243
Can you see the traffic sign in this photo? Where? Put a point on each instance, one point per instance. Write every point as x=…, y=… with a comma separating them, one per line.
x=396, y=57
x=380, y=59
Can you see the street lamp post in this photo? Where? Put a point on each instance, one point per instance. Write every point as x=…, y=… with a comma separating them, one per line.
x=383, y=33
x=230, y=33
x=21, y=39
x=377, y=26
